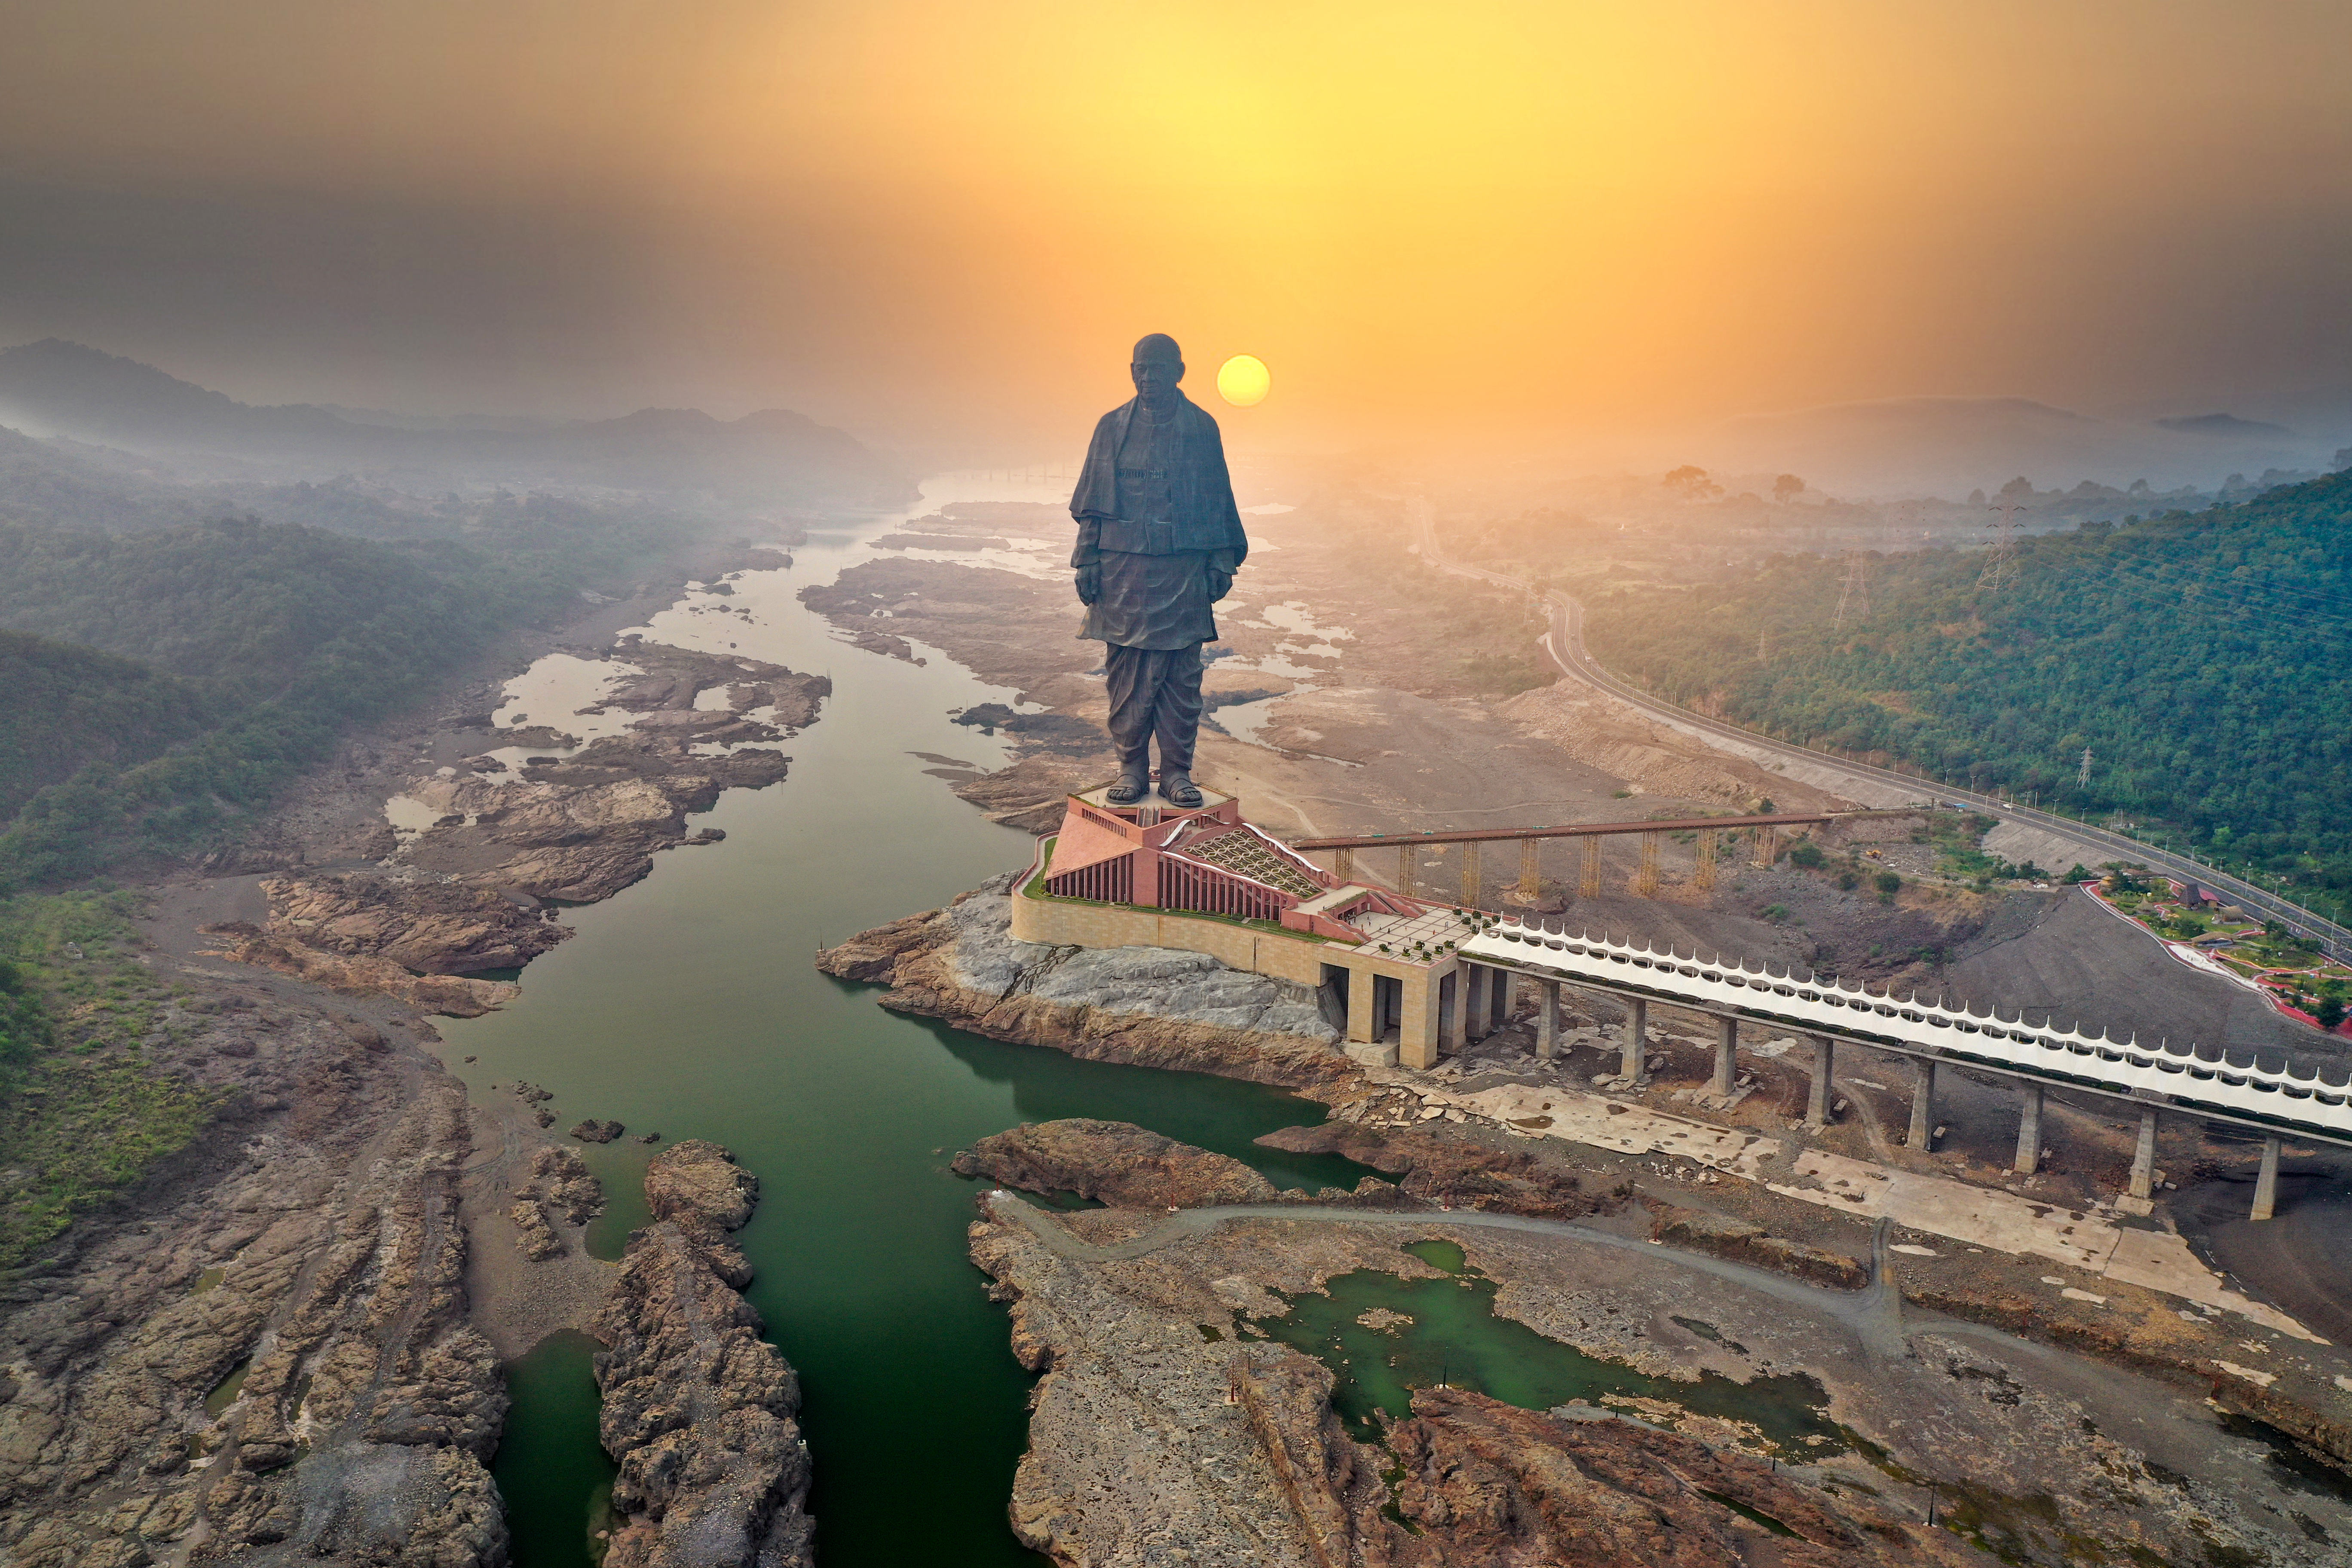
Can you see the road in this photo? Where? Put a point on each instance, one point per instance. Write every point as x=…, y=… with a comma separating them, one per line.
x=1565, y=643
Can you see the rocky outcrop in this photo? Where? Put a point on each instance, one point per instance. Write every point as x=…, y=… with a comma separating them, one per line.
x=699, y=1409
x=1744, y=1241
x=265, y=1354
x=450, y=995
x=594, y=1131
x=1489, y=1483
x=1149, y=1436
x=424, y=924
x=559, y=1191
x=1114, y=1163
x=698, y=1186
x=1447, y=1171
x=1152, y=1006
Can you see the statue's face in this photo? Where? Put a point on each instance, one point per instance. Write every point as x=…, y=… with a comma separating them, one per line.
x=1156, y=379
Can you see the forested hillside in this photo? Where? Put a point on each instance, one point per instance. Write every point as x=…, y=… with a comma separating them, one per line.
x=67, y=707
x=256, y=645
x=2204, y=660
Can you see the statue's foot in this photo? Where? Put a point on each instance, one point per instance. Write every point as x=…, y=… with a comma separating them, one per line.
x=1130, y=788
x=1178, y=789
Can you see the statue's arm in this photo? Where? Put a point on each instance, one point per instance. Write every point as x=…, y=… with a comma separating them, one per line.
x=1225, y=483
x=1220, y=566
x=1086, y=558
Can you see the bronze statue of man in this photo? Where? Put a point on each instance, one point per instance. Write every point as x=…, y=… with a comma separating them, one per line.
x=1159, y=542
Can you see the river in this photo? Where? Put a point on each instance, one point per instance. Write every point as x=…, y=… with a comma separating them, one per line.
x=688, y=1005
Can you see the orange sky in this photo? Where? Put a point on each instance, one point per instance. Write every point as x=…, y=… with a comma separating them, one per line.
x=949, y=219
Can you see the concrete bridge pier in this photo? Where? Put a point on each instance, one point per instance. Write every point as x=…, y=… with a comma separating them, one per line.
x=1454, y=1010
x=1727, y=1047
x=1632, y=1059
x=1505, y=987
x=2029, y=1129
x=1817, y=1103
x=1922, y=1110
x=2143, y=1171
x=1481, y=995
x=1546, y=1019
x=2266, y=1180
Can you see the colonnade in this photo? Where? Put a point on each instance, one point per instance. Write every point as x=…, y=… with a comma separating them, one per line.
x=1478, y=999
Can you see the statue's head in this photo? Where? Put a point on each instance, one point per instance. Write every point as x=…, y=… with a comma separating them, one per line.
x=1157, y=367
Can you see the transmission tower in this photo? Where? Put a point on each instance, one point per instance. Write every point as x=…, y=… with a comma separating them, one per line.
x=2002, y=570
x=2083, y=777
x=1855, y=591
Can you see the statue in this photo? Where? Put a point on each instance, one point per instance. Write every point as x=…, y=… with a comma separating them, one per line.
x=1159, y=542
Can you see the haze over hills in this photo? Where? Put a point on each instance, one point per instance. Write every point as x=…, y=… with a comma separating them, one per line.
x=1949, y=445
x=60, y=389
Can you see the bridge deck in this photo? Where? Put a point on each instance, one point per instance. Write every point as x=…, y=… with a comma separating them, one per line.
x=2213, y=1086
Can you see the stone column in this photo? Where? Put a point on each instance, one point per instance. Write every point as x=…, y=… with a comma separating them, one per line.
x=2142, y=1174
x=1546, y=1019
x=1455, y=1003
x=1922, y=1109
x=1363, y=1025
x=1418, y=1025
x=1635, y=1050
x=1817, y=1103
x=2266, y=1182
x=2029, y=1129
x=1477, y=996
x=1726, y=1048
x=1502, y=1007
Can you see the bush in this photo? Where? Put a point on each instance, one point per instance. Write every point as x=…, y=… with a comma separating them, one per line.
x=1804, y=852
x=1888, y=884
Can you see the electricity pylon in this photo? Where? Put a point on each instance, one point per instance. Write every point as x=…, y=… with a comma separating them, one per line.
x=1856, y=591
x=2002, y=570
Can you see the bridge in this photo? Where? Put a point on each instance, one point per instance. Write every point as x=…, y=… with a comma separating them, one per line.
x=2178, y=1079
x=1707, y=830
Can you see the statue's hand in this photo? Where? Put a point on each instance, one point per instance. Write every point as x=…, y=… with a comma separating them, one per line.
x=1220, y=585
x=1089, y=584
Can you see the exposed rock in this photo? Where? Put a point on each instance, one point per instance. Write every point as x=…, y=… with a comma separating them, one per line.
x=560, y=1176
x=1744, y=1241
x=698, y=1186
x=1447, y=1171
x=699, y=1409
x=316, y=1251
x=1152, y=1006
x=1114, y=1163
x=447, y=994
x=1518, y=1489
x=594, y=1131
x=424, y=924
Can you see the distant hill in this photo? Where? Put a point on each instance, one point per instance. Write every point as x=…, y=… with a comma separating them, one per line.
x=70, y=707
x=58, y=388
x=2204, y=660
x=2226, y=425
x=1950, y=446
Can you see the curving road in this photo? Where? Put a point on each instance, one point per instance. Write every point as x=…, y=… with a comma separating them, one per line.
x=1565, y=644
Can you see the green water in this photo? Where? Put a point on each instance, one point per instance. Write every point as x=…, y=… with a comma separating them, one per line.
x=1455, y=1338
x=543, y=1461
x=688, y=1005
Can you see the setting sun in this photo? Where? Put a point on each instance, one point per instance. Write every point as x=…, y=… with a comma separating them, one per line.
x=1242, y=381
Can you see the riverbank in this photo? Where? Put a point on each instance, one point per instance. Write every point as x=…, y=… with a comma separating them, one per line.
x=1510, y=1387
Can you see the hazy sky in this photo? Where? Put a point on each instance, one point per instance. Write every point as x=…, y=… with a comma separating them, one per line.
x=950, y=219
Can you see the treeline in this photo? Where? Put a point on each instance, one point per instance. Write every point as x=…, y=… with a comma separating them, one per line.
x=255, y=645
x=2204, y=661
